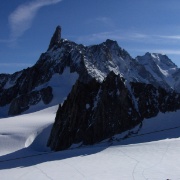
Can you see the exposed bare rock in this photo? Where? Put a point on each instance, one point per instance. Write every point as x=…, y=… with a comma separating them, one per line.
x=55, y=38
x=95, y=111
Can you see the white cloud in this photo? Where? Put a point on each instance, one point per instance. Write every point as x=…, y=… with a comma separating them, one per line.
x=175, y=37
x=15, y=65
x=21, y=19
x=99, y=37
x=5, y=40
x=123, y=35
x=155, y=37
x=162, y=51
x=139, y=36
x=167, y=51
x=117, y=35
x=105, y=20
x=100, y=21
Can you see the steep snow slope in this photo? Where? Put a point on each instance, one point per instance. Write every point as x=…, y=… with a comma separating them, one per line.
x=161, y=68
x=20, y=131
x=95, y=61
x=101, y=59
x=148, y=156
x=61, y=87
x=60, y=84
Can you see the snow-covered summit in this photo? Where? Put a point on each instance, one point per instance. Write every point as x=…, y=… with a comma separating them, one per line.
x=161, y=68
x=96, y=61
x=159, y=59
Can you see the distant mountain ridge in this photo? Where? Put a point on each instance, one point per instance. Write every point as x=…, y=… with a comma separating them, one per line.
x=32, y=87
x=161, y=67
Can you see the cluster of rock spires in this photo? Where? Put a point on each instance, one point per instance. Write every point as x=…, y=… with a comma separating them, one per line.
x=96, y=111
x=113, y=92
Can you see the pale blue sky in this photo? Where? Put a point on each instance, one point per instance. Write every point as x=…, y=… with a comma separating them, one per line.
x=138, y=26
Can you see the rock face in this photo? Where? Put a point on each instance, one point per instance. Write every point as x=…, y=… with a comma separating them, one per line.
x=89, y=62
x=23, y=102
x=20, y=89
x=176, y=76
x=56, y=37
x=95, y=111
x=161, y=68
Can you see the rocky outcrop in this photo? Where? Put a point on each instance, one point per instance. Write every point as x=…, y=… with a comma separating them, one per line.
x=18, y=88
x=55, y=38
x=176, y=76
x=24, y=101
x=95, y=111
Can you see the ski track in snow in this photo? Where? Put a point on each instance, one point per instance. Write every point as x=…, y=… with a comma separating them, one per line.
x=158, y=162
x=145, y=156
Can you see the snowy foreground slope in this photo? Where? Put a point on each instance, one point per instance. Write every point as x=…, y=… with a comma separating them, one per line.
x=20, y=131
x=152, y=153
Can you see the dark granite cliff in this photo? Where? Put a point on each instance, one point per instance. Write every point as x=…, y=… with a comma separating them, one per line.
x=96, y=111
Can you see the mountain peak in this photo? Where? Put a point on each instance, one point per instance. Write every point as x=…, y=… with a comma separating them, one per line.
x=55, y=38
x=110, y=43
x=159, y=59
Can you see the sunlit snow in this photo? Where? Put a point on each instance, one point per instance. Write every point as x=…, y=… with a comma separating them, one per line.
x=150, y=153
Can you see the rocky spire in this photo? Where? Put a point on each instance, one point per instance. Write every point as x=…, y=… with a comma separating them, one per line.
x=56, y=37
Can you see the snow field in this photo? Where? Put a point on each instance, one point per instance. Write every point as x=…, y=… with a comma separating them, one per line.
x=20, y=131
x=145, y=155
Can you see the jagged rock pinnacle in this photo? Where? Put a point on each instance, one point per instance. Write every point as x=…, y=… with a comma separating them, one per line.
x=56, y=37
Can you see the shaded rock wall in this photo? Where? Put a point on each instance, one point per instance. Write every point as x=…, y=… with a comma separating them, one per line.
x=94, y=111
x=23, y=102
